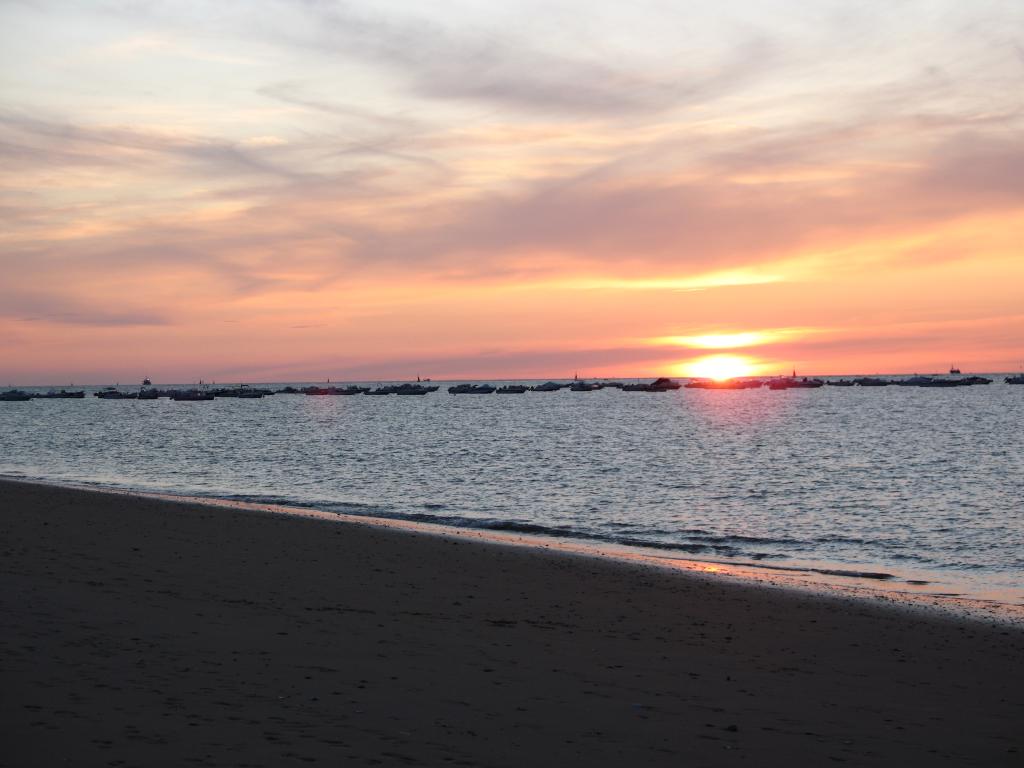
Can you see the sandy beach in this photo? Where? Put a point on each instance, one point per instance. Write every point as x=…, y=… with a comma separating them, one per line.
x=140, y=632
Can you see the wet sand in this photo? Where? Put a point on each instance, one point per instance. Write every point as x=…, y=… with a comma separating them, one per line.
x=144, y=632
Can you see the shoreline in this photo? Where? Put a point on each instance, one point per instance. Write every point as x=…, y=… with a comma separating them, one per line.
x=153, y=632
x=823, y=579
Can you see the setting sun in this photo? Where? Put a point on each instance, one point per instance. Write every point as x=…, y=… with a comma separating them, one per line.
x=719, y=367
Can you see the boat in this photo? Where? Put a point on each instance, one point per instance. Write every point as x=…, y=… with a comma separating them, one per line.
x=664, y=383
x=806, y=383
x=319, y=391
x=349, y=390
x=871, y=381
x=112, y=393
x=913, y=381
x=191, y=395
x=638, y=387
x=941, y=383
x=352, y=389
x=511, y=389
x=242, y=392
x=788, y=382
x=471, y=389
x=954, y=371
x=15, y=396
x=548, y=386
x=63, y=394
x=792, y=382
x=583, y=386
x=410, y=389
x=1018, y=379
x=380, y=391
x=146, y=392
x=840, y=383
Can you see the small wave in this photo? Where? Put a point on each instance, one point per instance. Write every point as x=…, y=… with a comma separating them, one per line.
x=339, y=508
x=250, y=498
x=676, y=546
x=748, y=539
x=839, y=539
x=705, y=545
x=855, y=574
x=877, y=575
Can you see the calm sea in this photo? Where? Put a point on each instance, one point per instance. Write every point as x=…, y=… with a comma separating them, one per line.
x=922, y=484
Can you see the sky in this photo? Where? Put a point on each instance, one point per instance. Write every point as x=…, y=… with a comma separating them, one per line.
x=285, y=190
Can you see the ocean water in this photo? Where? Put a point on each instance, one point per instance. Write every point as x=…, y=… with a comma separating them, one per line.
x=919, y=484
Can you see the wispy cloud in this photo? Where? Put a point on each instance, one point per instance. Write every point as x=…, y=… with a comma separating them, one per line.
x=39, y=307
x=497, y=67
x=27, y=141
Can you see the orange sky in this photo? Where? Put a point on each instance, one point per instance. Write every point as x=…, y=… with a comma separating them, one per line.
x=281, y=191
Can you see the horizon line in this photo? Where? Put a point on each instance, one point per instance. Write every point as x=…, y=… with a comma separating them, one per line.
x=343, y=380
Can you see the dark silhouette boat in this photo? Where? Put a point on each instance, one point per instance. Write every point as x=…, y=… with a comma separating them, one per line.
x=112, y=393
x=913, y=381
x=15, y=396
x=512, y=389
x=62, y=395
x=411, y=389
x=349, y=390
x=942, y=382
x=147, y=391
x=639, y=387
x=583, y=386
x=471, y=389
x=191, y=395
x=549, y=386
x=791, y=382
x=1018, y=379
x=406, y=388
x=664, y=383
x=242, y=392
x=840, y=383
x=871, y=381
